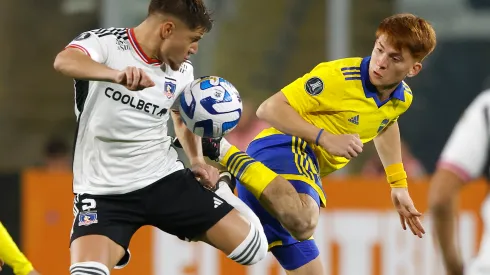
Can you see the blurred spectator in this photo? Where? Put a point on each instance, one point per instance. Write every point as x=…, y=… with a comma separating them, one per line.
x=413, y=167
x=248, y=127
x=56, y=156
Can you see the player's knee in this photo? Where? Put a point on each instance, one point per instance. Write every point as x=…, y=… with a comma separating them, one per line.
x=253, y=249
x=303, y=230
x=304, y=222
x=302, y=235
x=302, y=227
x=89, y=268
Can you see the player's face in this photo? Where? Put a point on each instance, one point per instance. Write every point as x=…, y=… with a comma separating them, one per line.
x=179, y=43
x=390, y=66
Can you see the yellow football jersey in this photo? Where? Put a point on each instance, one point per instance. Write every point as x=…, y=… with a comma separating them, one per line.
x=338, y=97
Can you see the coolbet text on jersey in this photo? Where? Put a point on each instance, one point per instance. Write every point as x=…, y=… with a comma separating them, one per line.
x=336, y=96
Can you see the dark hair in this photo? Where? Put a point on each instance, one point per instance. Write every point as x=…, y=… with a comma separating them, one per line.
x=192, y=12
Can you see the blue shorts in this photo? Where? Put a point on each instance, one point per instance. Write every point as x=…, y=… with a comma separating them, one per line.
x=292, y=158
x=294, y=256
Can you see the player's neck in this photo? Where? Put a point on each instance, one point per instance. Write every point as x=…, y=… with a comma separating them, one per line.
x=148, y=38
x=384, y=92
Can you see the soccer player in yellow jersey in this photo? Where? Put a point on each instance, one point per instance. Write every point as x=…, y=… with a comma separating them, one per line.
x=11, y=255
x=319, y=122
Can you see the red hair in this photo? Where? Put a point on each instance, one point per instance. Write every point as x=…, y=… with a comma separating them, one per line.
x=410, y=32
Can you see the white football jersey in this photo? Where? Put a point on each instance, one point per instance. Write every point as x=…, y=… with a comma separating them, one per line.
x=121, y=142
x=466, y=151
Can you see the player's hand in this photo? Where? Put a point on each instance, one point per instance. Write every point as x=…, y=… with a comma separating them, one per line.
x=206, y=174
x=1, y=264
x=406, y=209
x=348, y=146
x=34, y=272
x=134, y=79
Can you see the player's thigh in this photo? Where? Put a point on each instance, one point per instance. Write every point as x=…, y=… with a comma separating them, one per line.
x=311, y=203
x=103, y=227
x=228, y=233
x=278, y=197
x=181, y=206
x=96, y=248
x=301, y=258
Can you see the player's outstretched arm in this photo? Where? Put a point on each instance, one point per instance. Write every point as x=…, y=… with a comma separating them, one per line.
x=192, y=145
x=11, y=255
x=279, y=113
x=388, y=146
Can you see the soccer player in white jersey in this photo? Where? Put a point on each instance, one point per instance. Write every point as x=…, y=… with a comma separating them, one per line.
x=126, y=174
x=464, y=158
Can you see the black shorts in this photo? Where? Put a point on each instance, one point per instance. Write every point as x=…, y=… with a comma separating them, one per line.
x=176, y=204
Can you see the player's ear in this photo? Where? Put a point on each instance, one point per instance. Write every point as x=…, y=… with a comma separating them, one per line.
x=415, y=70
x=166, y=29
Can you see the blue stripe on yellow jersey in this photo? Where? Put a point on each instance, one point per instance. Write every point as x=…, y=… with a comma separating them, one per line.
x=337, y=96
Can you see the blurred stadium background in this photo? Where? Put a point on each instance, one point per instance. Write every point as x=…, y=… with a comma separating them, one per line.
x=259, y=46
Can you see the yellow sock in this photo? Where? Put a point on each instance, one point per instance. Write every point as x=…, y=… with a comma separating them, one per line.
x=11, y=255
x=254, y=175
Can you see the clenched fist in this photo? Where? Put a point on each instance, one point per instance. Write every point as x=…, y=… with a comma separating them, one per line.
x=134, y=79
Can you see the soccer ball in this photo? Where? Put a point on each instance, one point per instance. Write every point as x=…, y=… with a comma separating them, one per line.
x=210, y=106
